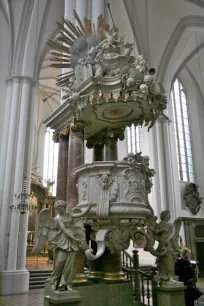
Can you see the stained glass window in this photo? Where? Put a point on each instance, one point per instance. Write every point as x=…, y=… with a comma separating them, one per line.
x=182, y=133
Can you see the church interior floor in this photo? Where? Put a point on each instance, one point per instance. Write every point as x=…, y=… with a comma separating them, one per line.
x=36, y=297
x=33, y=298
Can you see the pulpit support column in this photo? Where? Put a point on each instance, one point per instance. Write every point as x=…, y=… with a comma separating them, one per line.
x=75, y=159
x=62, y=168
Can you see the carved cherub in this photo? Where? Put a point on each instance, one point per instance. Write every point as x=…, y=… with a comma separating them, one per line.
x=140, y=63
x=66, y=235
x=128, y=49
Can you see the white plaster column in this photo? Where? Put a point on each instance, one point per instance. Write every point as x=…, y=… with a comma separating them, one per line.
x=107, y=15
x=13, y=227
x=18, y=172
x=69, y=6
x=97, y=10
x=23, y=227
x=40, y=148
x=89, y=14
x=157, y=157
x=82, y=8
x=173, y=193
x=3, y=151
x=8, y=177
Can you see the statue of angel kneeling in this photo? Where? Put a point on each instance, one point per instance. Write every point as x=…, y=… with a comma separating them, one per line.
x=66, y=235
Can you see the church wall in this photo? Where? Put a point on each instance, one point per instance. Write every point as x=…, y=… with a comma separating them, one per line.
x=196, y=115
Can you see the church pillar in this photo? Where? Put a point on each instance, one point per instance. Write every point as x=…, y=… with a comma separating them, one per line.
x=69, y=6
x=107, y=13
x=76, y=158
x=18, y=173
x=62, y=168
x=13, y=226
x=9, y=164
x=157, y=154
x=97, y=10
x=3, y=152
x=82, y=8
x=22, y=239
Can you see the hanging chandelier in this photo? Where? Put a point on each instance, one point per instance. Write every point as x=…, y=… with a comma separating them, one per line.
x=22, y=200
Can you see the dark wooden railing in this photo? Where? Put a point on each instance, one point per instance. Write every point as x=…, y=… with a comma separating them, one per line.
x=143, y=283
x=126, y=260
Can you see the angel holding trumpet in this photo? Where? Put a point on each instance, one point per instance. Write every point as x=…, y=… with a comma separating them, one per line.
x=66, y=235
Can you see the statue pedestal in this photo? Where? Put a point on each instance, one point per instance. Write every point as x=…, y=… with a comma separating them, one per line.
x=101, y=294
x=65, y=298
x=171, y=294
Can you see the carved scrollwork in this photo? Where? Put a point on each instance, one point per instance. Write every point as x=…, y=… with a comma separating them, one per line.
x=101, y=245
x=120, y=238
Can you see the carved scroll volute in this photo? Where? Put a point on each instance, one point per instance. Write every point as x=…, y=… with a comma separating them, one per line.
x=101, y=246
x=102, y=210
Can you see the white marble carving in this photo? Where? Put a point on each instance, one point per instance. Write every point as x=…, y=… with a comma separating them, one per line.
x=120, y=197
x=167, y=235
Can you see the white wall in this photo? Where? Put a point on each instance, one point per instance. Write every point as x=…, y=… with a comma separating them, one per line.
x=196, y=115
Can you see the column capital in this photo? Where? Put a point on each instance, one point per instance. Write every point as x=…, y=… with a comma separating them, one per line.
x=71, y=124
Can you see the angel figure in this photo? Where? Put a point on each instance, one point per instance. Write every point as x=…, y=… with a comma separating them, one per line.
x=66, y=235
x=167, y=234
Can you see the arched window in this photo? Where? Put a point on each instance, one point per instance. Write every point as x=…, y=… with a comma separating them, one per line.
x=50, y=160
x=133, y=140
x=182, y=133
